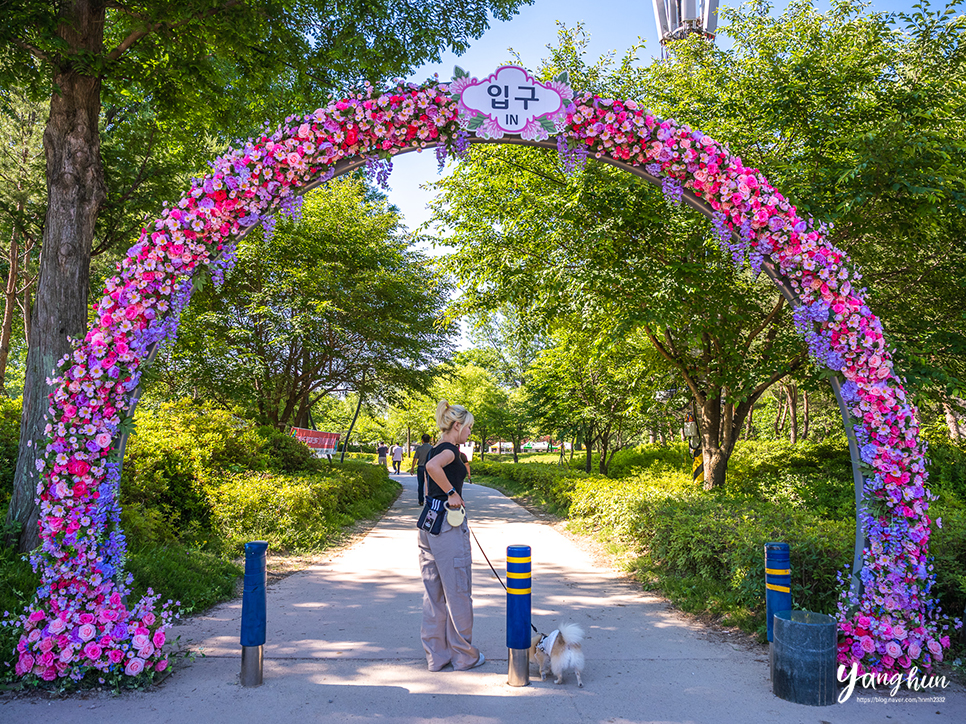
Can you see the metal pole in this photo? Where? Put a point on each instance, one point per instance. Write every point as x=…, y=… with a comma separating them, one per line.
x=253, y=613
x=518, y=614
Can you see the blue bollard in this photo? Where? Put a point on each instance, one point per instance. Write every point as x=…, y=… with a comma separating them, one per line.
x=518, y=596
x=253, y=613
x=778, y=581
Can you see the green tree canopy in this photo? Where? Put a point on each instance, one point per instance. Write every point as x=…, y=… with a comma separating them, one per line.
x=184, y=67
x=334, y=302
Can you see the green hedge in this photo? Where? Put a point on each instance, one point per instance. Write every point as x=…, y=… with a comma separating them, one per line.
x=552, y=484
x=705, y=550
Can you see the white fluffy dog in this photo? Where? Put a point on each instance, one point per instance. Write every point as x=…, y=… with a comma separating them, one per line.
x=558, y=652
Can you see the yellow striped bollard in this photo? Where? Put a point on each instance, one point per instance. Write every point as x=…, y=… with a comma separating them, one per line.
x=778, y=581
x=518, y=614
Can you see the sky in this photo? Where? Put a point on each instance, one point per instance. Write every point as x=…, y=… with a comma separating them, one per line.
x=613, y=25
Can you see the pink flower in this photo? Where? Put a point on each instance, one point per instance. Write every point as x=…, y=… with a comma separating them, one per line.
x=86, y=618
x=115, y=600
x=134, y=666
x=149, y=619
x=867, y=644
x=92, y=651
x=86, y=631
x=158, y=639
x=139, y=641
x=934, y=647
x=25, y=664
x=115, y=656
x=893, y=649
x=161, y=665
x=37, y=616
x=146, y=651
x=56, y=626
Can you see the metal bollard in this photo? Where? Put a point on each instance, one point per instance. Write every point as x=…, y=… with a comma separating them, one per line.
x=518, y=614
x=253, y=613
x=778, y=580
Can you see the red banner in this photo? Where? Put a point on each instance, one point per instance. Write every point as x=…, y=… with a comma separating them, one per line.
x=325, y=443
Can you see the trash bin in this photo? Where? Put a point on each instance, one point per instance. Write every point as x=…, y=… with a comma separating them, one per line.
x=803, y=658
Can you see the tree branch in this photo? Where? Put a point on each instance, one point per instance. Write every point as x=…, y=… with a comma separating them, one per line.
x=137, y=35
x=692, y=385
x=768, y=320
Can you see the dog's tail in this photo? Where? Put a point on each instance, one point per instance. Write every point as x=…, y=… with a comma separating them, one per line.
x=571, y=634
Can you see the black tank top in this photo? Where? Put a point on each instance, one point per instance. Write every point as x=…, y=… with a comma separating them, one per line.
x=455, y=471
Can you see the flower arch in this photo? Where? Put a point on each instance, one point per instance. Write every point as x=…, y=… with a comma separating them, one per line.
x=80, y=621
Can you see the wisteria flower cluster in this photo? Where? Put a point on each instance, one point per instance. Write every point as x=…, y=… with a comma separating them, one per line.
x=79, y=620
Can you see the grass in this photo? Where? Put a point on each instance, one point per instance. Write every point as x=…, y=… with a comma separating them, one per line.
x=196, y=578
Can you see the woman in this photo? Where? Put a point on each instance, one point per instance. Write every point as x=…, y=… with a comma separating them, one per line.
x=445, y=560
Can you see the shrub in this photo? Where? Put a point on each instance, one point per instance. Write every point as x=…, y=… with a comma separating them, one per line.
x=175, y=453
x=948, y=548
x=297, y=511
x=626, y=462
x=551, y=483
x=196, y=578
x=283, y=452
x=947, y=470
x=10, y=411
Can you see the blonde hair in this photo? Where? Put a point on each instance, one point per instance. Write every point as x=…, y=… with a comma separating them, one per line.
x=447, y=416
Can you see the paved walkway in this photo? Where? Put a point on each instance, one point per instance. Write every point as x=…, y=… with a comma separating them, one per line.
x=343, y=646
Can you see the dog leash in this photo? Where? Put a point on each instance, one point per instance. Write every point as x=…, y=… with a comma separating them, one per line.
x=493, y=569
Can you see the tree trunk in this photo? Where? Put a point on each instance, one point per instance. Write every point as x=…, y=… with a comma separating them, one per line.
x=9, y=304
x=75, y=193
x=652, y=434
x=954, y=422
x=720, y=426
x=749, y=427
x=661, y=435
x=604, y=445
x=302, y=416
x=780, y=417
x=791, y=392
x=805, y=419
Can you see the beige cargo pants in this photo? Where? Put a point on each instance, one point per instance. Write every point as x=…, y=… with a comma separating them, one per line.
x=445, y=563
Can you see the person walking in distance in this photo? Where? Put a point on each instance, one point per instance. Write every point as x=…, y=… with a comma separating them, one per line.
x=397, y=456
x=382, y=451
x=445, y=560
x=420, y=454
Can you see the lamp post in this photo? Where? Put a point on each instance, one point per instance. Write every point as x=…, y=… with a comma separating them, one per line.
x=676, y=19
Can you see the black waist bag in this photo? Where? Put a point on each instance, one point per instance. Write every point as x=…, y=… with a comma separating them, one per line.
x=433, y=515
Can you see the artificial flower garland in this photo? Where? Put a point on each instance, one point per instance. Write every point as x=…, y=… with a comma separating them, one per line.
x=79, y=621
